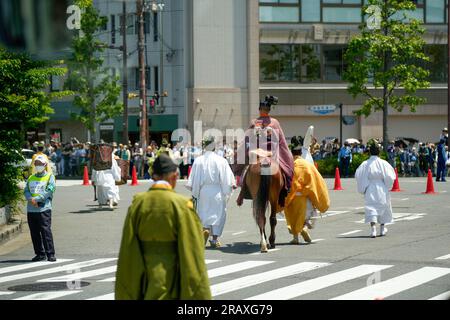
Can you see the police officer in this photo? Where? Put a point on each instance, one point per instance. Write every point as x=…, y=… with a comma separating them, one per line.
x=344, y=159
x=39, y=193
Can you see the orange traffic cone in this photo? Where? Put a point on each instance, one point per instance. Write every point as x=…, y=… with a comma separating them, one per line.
x=337, y=181
x=430, y=186
x=86, y=177
x=134, y=181
x=396, y=186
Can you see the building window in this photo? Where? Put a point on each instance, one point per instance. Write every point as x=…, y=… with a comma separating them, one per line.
x=435, y=11
x=333, y=62
x=156, y=78
x=341, y=11
x=155, y=27
x=146, y=23
x=289, y=63
x=113, y=29
x=279, y=11
x=138, y=78
x=438, y=64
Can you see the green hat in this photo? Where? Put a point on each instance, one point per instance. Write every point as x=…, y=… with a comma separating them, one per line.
x=164, y=164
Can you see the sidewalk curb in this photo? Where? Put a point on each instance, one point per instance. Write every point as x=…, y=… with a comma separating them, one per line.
x=11, y=230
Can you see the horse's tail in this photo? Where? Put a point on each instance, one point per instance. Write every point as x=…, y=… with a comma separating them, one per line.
x=262, y=197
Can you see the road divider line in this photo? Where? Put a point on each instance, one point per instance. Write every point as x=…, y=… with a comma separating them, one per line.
x=350, y=232
x=48, y=295
x=31, y=265
x=395, y=285
x=73, y=266
x=255, y=279
x=316, y=284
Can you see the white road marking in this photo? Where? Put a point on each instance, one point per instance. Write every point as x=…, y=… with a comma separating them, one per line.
x=6, y=293
x=350, y=232
x=48, y=295
x=72, y=266
x=333, y=213
x=405, y=199
x=270, y=250
x=319, y=283
x=31, y=265
x=248, y=281
x=442, y=296
x=317, y=240
x=113, y=279
x=237, y=233
x=359, y=208
x=447, y=256
x=217, y=272
x=109, y=296
x=395, y=285
x=81, y=275
x=211, y=261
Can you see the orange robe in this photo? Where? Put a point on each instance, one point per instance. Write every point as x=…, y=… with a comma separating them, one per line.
x=307, y=184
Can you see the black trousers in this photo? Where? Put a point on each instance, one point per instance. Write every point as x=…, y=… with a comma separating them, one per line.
x=41, y=232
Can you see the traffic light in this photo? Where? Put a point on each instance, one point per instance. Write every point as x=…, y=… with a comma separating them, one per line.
x=156, y=97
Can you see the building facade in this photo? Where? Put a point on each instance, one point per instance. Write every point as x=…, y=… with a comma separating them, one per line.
x=301, y=48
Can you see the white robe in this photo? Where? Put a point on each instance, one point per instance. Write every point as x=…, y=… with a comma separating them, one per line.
x=105, y=181
x=211, y=182
x=374, y=178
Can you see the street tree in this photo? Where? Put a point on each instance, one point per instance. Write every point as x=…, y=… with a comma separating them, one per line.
x=96, y=91
x=388, y=56
x=24, y=104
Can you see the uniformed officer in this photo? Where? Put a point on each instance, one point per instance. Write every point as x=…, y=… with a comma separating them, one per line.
x=162, y=254
x=39, y=191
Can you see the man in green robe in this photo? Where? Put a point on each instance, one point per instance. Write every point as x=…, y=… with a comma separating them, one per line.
x=162, y=251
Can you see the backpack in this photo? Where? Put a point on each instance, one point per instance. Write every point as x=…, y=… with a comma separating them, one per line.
x=101, y=157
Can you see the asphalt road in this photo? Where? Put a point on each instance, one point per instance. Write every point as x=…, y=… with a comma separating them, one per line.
x=343, y=262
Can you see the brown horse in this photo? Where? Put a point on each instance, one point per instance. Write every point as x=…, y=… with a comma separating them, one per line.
x=264, y=184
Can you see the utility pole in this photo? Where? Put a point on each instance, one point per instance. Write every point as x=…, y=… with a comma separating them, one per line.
x=125, y=73
x=340, y=124
x=142, y=89
x=159, y=8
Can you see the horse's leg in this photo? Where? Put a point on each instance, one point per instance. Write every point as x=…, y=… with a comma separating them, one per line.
x=261, y=220
x=273, y=223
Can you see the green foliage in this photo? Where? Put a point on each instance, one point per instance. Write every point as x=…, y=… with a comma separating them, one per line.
x=327, y=166
x=96, y=92
x=390, y=58
x=23, y=104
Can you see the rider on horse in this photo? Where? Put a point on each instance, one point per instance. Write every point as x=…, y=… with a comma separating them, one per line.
x=277, y=146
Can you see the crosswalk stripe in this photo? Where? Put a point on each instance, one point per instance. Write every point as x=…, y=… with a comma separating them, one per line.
x=395, y=285
x=81, y=275
x=112, y=279
x=56, y=269
x=109, y=296
x=30, y=265
x=207, y=261
x=217, y=272
x=48, y=295
x=447, y=256
x=442, y=296
x=350, y=232
x=248, y=281
x=319, y=283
